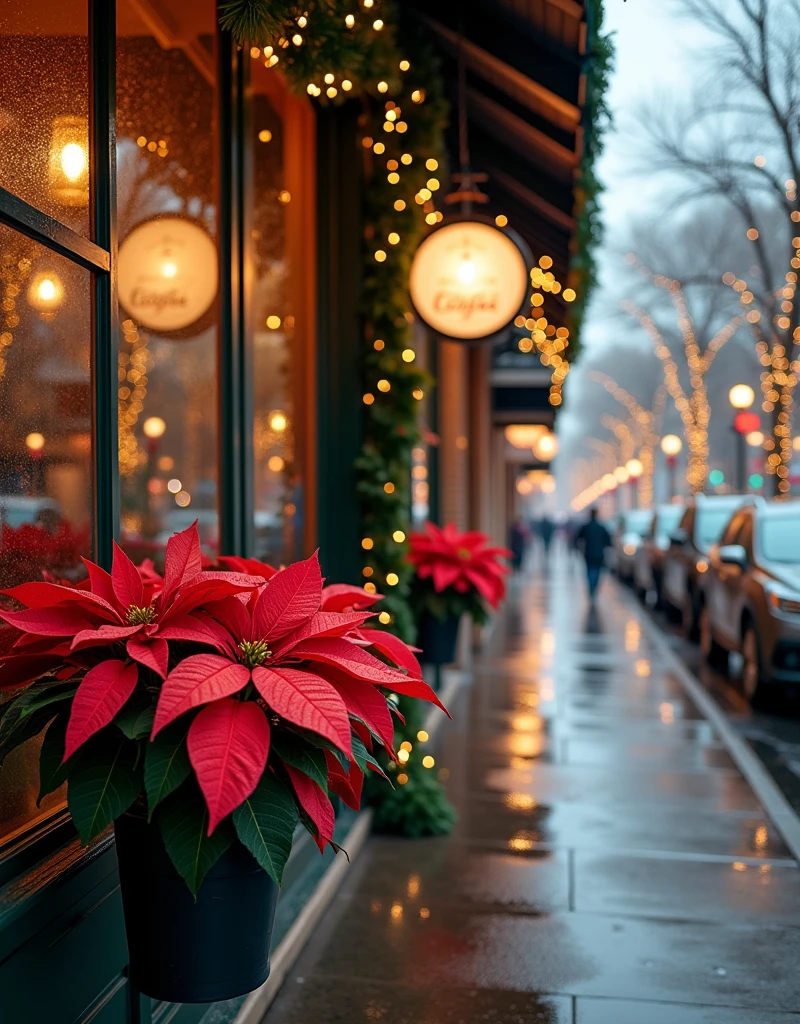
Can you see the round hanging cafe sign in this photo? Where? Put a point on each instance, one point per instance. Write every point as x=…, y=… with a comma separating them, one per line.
x=469, y=280
x=168, y=276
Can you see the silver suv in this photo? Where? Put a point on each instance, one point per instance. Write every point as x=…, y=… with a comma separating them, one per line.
x=750, y=598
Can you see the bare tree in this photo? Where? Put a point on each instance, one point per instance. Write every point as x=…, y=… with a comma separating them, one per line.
x=647, y=427
x=739, y=141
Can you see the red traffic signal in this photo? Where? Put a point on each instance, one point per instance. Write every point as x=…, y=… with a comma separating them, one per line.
x=746, y=422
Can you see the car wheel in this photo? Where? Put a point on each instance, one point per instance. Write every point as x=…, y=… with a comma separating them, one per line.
x=751, y=678
x=712, y=652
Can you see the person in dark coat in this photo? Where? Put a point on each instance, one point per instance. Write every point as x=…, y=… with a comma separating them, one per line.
x=517, y=541
x=546, y=530
x=593, y=538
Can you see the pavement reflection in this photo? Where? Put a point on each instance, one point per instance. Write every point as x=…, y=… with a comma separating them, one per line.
x=610, y=864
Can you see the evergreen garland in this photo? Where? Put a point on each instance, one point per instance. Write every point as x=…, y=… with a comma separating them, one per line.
x=333, y=51
x=596, y=118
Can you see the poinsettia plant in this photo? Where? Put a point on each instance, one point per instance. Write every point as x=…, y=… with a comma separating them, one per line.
x=456, y=573
x=224, y=705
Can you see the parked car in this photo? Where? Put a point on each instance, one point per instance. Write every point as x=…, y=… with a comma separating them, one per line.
x=648, y=563
x=16, y=510
x=686, y=559
x=627, y=540
x=750, y=598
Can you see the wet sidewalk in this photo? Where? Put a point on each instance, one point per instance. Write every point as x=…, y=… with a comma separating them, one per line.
x=610, y=865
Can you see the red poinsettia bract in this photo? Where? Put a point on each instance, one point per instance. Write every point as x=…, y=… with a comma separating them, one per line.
x=279, y=681
x=463, y=561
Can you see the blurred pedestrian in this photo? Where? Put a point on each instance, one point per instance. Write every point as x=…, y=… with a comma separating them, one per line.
x=517, y=541
x=546, y=530
x=593, y=538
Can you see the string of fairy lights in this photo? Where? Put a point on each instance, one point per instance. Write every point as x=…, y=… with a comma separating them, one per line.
x=776, y=339
x=694, y=408
x=648, y=423
x=551, y=342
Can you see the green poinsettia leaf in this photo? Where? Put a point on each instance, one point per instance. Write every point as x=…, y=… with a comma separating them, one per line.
x=104, y=781
x=310, y=760
x=136, y=718
x=265, y=824
x=29, y=712
x=52, y=772
x=166, y=764
x=183, y=821
x=43, y=694
x=364, y=759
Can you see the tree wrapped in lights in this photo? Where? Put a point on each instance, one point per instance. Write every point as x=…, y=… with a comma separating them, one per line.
x=753, y=45
x=692, y=403
x=648, y=425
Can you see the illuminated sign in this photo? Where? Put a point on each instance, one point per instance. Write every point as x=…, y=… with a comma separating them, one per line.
x=168, y=275
x=469, y=280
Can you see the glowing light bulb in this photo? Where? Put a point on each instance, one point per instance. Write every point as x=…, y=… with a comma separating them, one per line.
x=73, y=161
x=466, y=271
x=46, y=290
x=278, y=422
x=168, y=269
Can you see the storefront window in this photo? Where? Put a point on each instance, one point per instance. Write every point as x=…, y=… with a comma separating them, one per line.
x=278, y=466
x=45, y=449
x=168, y=275
x=44, y=136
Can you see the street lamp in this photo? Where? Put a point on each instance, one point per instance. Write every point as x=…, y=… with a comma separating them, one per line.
x=635, y=470
x=671, y=446
x=741, y=397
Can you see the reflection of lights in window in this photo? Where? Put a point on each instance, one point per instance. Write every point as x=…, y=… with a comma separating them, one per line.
x=174, y=485
x=642, y=667
x=667, y=713
x=397, y=911
x=154, y=428
x=275, y=463
x=46, y=293
x=278, y=421
x=633, y=635
x=273, y=322
x=519, y=801
x=524, y=744
x=521, y=841
x=183, y=498
x=413, y=886
x=424, y=913
x=547, y=643
x=526, y=723
x=739, y=866
x=761, y=837
x=34, y=442
x=284, y=196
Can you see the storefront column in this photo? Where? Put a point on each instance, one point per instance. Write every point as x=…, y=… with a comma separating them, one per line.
x=339, y=425
x=453, y=389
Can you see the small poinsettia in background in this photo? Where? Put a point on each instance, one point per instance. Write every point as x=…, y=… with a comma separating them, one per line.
x=223, y=705
x=456, y=573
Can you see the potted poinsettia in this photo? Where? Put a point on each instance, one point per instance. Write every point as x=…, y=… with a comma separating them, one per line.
x=456, y=573
x=204, y=714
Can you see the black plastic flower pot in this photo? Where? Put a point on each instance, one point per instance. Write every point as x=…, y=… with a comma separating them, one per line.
x=437, y=638
x=182, y=951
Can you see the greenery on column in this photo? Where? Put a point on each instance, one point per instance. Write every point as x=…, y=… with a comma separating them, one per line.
x=595, y=119
x=335, y=51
